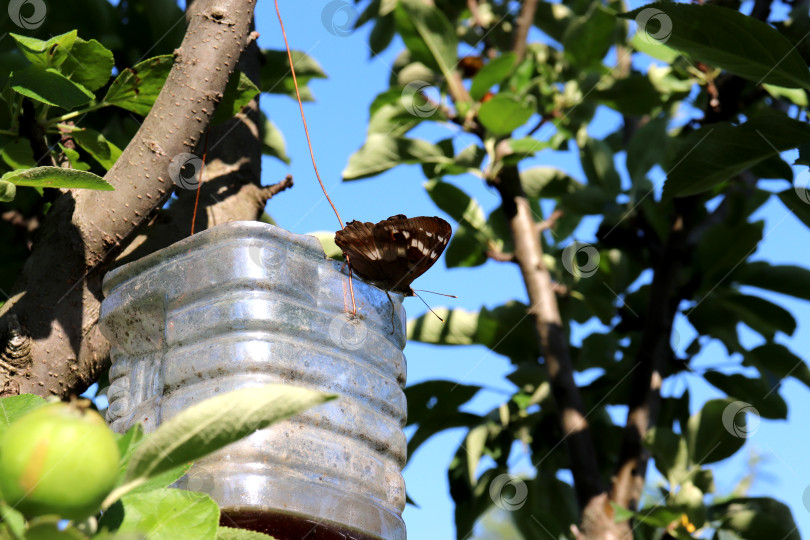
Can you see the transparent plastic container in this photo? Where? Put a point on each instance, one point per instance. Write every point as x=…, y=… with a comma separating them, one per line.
x=246, y=304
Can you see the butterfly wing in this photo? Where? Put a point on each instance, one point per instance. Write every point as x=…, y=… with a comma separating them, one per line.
x=356, y=240
x=413, y=245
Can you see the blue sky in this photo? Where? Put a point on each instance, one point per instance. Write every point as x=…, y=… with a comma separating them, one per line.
x=337, y=123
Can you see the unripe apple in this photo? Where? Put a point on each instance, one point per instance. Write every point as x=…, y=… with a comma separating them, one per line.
x=58, y=459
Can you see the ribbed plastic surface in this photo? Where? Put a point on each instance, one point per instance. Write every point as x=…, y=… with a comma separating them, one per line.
x=245, y=304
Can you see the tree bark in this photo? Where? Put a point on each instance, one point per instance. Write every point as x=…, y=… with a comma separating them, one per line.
x=56, y=300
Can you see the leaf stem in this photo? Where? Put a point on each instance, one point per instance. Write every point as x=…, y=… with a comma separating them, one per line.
x=74, y=114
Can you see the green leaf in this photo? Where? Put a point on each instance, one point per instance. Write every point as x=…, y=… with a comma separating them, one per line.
x=800, y=207
x=74, y=159
x=553, y=19
x=460, y=206
x=722, y=248
x=506, y=112
x=777, y=362
x=217, y=422
x=785, y=279
x=136, y=88
x=671, y=453
x=710, y=435
x=89, y=64
x=47, y=528
x=46, y=54
x=634, y=94
x=434, y=407
x=50, y=87
x=647, y=148
x=428, y=35
x=13, y=519
x=18, y=154
x=95, y=144
x=728, y=39
x=327, y=240
x=57, y=177
x=381, y=34
x=467, y=248
x=547, y=183
x=654, y=48
x=757, y=392
x=381, y=153
x=276, y=77
x=7, y=192
x=238, y=93
x=756, y=517
x=272, y=139
x=459, y=328
x=228, y=533
x=716, y=152
x=167, y=514
x=597, y=162
x=760, y=315
x=127, y=444
x=794, y=95
x=13, y=407
x=491, y=74
x=589, y=37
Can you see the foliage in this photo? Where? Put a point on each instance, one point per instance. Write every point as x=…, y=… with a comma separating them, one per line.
x=141, y=499
x=747, y=80
x=74, y=89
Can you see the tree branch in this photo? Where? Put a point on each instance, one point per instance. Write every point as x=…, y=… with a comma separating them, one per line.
x=57, y=297
x=551, y=335
x=522, y=25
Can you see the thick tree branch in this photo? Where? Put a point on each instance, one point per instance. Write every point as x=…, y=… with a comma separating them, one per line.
x=523, y=23
x=551, y=335
x=653, y=353
x=58, y=295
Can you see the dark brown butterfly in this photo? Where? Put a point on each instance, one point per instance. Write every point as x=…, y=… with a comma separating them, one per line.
x=394, y=252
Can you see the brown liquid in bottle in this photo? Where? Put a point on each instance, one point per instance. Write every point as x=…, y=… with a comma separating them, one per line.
x=286, y=526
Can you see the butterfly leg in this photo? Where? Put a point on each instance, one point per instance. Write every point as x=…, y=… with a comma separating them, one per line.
x=393, y=328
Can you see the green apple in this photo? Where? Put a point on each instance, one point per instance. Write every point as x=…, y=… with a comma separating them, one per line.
x=58, y=459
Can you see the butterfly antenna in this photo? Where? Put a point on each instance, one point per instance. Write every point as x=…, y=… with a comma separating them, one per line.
x=309, y=143
x=434, y=292
x=430, y=308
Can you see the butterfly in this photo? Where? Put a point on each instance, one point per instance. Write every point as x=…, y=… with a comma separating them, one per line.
x=391, y=254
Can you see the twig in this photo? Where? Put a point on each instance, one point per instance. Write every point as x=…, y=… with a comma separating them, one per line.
x=270, y=191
